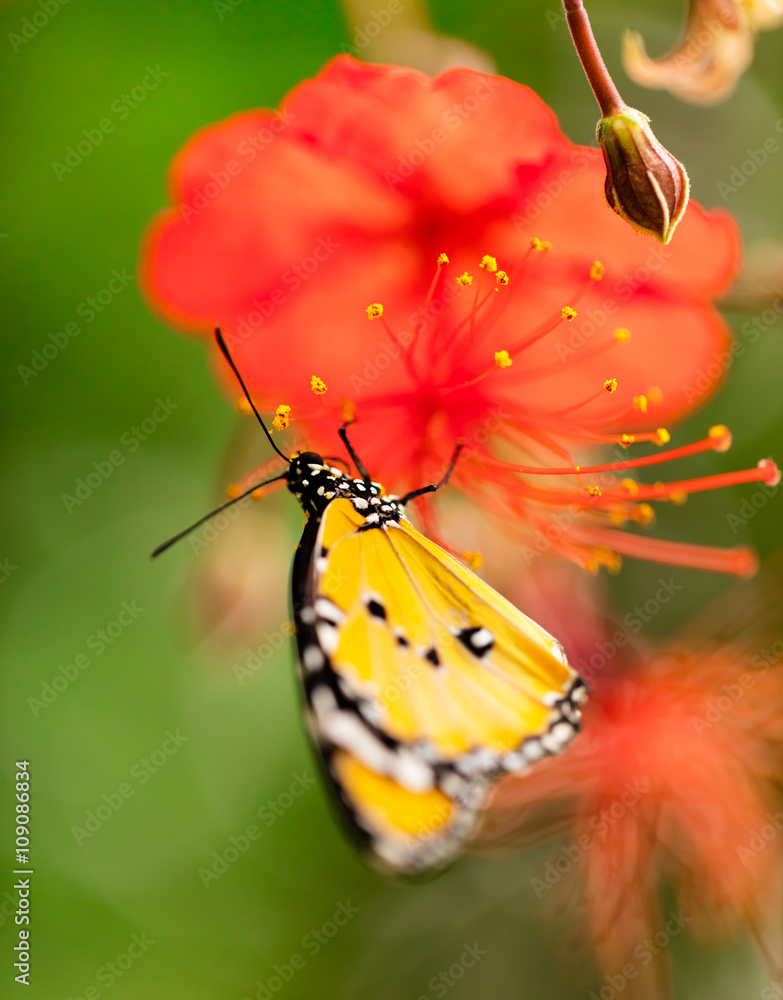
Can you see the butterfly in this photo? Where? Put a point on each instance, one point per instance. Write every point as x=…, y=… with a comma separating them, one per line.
x=422, y=686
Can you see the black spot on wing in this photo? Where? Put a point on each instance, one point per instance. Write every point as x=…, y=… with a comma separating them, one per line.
x=478, y=640
x=376, y=609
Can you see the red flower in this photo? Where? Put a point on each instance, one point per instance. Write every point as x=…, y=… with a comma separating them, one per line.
x=287, y=226
x=673, y=777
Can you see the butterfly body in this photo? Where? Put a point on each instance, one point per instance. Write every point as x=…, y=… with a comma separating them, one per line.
x=422, y=685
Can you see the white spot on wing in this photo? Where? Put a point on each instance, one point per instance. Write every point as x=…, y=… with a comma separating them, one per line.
x=325, y=608
x=312, y=658
x=328, y=636
x=412, y=772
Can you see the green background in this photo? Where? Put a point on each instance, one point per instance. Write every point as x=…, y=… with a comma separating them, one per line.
x=138, y=873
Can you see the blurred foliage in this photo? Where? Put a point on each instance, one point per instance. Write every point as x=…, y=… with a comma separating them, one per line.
x=138, y=873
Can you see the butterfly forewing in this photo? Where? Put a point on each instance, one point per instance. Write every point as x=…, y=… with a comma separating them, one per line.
x=423, y=684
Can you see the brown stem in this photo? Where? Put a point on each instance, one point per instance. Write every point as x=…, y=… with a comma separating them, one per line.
x=607, y=95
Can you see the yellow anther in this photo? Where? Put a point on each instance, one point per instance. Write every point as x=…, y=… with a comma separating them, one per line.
x=317, y=385
x=597, y=270
x=348, y=410
x=662, y=436
x=443, y=259
x=610, y=385
x=374, y=311
x=233, y=491
x=465, y=280
x=592, y=566
x=640, y=403
x=678, y=498
x=626, y=439
x=631, y=485
x=538, y=244
x=617, y=517
x=609, y=558
x=502, y=278
x=568, y=313
x=473, y=559
x=655, y=394
x=281, y=420
x=722, y=435
x=258, y=494
x=622, y=335
x=644, y=514
x=243, y=405
x=502, y=360
x=489, y=263
x=594, y=491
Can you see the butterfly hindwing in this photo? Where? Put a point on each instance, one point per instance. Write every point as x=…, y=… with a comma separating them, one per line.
x=423, y=685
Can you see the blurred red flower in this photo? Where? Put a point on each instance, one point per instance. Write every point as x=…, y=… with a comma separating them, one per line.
x=674, y=778
x=379, y=192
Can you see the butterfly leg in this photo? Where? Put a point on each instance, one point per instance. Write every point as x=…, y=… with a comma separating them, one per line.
x=434, y=486
x=356, y=460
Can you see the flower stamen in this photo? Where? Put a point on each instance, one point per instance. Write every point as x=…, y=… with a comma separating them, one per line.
x=718, y=439
x=282, y=417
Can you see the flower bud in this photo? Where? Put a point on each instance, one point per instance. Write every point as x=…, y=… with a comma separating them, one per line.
x=645, y=184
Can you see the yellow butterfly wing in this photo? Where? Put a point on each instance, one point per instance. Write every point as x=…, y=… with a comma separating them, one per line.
x=423, y=684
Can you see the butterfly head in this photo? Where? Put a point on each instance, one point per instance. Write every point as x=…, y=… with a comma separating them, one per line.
x=313, y=482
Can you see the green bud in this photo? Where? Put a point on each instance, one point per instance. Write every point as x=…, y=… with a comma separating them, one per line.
x=645, y=184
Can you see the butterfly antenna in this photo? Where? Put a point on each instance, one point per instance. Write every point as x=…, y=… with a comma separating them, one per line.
x=435, y=486
x=230, y=503
x=227, y=356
